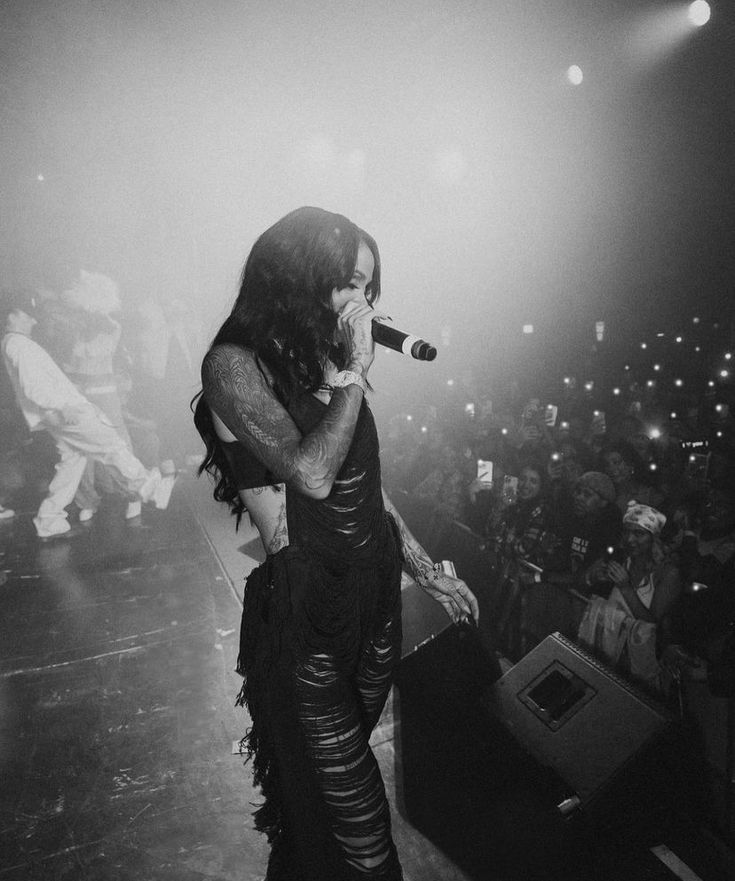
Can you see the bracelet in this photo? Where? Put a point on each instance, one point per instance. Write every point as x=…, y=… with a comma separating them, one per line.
x=348, y=377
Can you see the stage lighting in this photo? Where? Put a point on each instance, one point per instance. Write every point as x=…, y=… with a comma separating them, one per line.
x=699, y=13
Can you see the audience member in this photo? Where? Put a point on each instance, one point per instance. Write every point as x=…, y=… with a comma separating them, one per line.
x=703, y=621
x=586, y=531
x=623, y=466
x=628, y=626
x=521, y=528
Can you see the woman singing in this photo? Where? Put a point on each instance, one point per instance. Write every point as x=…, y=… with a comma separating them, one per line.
x=290, y=438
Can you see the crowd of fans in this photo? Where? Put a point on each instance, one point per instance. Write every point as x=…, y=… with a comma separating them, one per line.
x=608, y=516
x=93, y=399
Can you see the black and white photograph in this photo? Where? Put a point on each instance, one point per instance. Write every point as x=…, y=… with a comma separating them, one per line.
x=367, y=440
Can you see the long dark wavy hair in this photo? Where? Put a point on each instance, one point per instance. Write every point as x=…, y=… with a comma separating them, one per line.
x=283, y=313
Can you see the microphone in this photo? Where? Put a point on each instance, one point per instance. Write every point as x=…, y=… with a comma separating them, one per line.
x=405, y=343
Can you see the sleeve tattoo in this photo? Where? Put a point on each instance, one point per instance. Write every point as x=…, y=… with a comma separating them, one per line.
x=236, y=390
x=418, y=562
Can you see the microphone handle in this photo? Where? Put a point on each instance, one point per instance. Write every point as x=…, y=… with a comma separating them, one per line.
x=403, y=342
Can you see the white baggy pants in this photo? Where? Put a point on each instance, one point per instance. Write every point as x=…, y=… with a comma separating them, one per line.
x=92, y=438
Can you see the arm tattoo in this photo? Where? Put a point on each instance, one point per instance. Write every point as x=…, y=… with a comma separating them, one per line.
x=418, y=562
x=236, y=390
x=279, y=538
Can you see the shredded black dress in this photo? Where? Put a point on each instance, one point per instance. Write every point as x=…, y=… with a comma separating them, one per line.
x=320, y=636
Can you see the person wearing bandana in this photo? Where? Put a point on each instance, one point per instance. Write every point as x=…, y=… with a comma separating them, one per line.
x=628, y=626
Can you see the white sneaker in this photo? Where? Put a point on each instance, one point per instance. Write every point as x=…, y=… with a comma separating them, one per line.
x=86, y=514
x=133, y=510
x=49, y=530
x=162, y=493
x=150, y=484
x=6, y=513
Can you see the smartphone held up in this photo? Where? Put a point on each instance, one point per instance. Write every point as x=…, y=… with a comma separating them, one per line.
x=485, y=472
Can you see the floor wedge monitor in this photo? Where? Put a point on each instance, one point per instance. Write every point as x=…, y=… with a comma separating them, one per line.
x=576, y=716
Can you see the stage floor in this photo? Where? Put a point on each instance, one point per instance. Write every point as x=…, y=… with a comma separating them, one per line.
x=117, y=724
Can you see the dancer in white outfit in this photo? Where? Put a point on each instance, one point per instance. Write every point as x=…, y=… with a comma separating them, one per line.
x=51, y=402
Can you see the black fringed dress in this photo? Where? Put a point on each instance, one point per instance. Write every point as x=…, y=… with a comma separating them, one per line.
x=320, y=637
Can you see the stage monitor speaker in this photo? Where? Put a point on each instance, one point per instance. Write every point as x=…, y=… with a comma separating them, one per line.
x=464, y=782
x=576, y=716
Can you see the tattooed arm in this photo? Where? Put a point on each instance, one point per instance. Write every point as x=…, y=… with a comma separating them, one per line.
x=458, y=600
x=236, y=390
x=418, y=562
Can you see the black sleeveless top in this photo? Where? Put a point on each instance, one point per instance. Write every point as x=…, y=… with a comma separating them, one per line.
x=349, y=525
x=246, y=471
x=338, y=580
